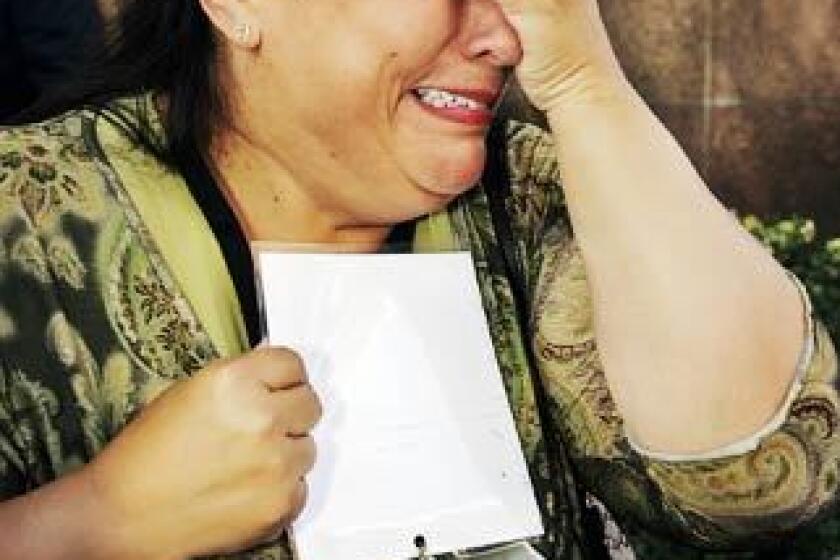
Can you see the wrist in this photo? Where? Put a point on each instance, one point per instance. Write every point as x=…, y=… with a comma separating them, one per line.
x=601, y=92
x=107, y=534
x=113, y=531
x=61, y=519
x=599, y=116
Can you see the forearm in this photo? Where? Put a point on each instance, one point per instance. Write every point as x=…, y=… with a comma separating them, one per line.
x=62, y=520
x=699, y=329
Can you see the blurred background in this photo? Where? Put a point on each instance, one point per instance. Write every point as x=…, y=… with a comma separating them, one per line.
x=751, y=89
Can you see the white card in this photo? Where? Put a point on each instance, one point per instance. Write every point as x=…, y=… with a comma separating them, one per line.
x=417, y=437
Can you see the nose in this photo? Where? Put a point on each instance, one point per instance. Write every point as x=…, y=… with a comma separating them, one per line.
x=488, y=34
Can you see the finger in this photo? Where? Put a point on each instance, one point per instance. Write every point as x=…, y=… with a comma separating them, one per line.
x=292, y=508
x=278, y=529
x=273, y=535
x=278, y=368
x=296, y=411
x=300, y=455
x=299, y=501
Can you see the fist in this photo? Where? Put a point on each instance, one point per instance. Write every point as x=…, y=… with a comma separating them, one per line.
x=567, y=55
x=217, y=463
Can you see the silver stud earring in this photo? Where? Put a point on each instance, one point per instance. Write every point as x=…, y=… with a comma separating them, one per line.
x=242, y=32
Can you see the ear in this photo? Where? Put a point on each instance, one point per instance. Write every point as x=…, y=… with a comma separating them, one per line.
x=235, y=20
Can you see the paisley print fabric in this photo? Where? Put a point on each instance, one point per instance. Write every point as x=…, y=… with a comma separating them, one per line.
x=93, y=326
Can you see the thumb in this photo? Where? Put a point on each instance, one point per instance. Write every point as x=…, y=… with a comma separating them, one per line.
x=278, y=368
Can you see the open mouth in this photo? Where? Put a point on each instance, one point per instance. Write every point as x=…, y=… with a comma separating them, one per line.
x=441, y=98
x=473, y=107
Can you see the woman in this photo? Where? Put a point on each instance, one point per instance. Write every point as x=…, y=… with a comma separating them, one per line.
x=710, y=426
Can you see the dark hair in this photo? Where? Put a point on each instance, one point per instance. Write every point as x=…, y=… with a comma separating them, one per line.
x=161, y=46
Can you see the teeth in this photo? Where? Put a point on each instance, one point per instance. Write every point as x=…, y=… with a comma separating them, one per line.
x=443, y=99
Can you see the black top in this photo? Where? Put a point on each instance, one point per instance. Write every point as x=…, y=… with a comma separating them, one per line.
x=234, y=244
x=231, y=239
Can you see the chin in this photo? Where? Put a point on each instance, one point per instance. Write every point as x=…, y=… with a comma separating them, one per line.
x=454, y=176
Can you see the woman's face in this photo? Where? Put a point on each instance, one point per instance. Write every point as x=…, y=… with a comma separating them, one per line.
x=378, y=107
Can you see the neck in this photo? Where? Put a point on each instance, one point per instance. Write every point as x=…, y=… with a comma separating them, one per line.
x=274, y=206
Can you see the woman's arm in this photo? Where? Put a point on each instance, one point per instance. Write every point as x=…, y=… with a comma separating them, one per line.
x=209, y=467
x=63, y=520
x=744, y=497
x=215, y=464
x=699, y=329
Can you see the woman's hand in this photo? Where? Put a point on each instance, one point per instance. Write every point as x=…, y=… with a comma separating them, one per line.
x=567, y=57
x=215, y=464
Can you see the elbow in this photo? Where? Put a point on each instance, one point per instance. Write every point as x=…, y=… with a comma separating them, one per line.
x=755, y=500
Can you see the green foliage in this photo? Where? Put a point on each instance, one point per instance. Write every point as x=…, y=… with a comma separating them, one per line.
x=795, y=244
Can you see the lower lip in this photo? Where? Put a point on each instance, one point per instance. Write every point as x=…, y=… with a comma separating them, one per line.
x=480, y=117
